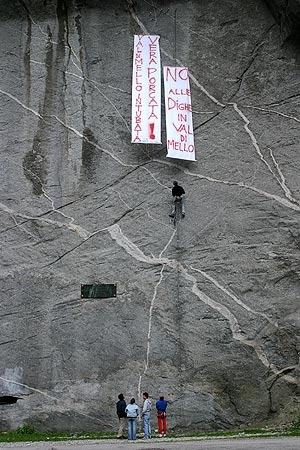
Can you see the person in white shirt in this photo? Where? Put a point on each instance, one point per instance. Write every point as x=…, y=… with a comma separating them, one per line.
x=146, y=415
x=132, y=412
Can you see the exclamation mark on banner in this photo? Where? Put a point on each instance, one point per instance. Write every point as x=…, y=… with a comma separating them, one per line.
x=151, y=135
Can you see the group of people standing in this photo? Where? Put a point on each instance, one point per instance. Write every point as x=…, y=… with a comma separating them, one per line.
x=128, y=415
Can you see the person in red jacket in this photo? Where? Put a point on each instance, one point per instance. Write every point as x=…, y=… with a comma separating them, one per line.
x=178, y=192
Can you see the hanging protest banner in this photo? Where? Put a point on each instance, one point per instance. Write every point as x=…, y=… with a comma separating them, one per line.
x=146, y=91
x=179, y=120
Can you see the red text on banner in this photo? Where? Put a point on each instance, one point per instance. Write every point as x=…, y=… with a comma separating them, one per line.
x=179, y=120
x=146, y=91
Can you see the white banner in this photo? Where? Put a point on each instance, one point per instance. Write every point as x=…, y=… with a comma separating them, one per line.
x=179, y=120
x=146, y=91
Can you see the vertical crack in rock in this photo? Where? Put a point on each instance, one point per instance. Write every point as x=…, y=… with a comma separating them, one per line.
x=87, y=133
x=62, y=14
x=237, y=334
x=145, y=31
x=272, y=380
x=26, y=57
x=287, y=14
x=80, y=40
x=150, y=316
x=253, y=56
x=60, y=86
x=35, y=161
x=150, y=329
x=168, y=243
x=274, y=197
x=282, y=373
x=161, y=224
x=94, y=83
x=86, y=79
x=19, y=225
x=107, y=152
x=244, y=118
x=280, y=179
x=58, y=211
x=90, y=155
x=154, y=178
x=239, y=112
x=122, y=200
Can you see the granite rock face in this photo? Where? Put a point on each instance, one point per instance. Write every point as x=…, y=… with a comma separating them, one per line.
x=287, y=13
x=207, y=313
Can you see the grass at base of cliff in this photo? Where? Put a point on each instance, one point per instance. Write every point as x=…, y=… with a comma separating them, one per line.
x=33, y=436
x=28, y=434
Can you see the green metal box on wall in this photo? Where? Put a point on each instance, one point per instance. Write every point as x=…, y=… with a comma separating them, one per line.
x=98, y=290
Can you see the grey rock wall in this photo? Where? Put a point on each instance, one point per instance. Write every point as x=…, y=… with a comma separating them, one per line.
x=287, y=14
x=208, y=313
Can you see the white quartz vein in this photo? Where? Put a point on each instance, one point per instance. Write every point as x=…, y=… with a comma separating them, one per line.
x=168, y=243
x=146, y=366
x=46, y=195
x=12, y=97
x=38, y=391
x=70, y=226
x=246, y=123
x=196, y=82
x=122, y=200
x=273, y=111
x=277, y=198
x=233, y=297
x=75, y=131
x=280, y=180
x=150, y=319
x=29, y=387
x=142, y=26
x=23, y=228
x=95, y=84
x=72, y=219
x=251, y=134
x=157, y=221
x=47, y=39
x=284, y=373
x=154, y=178
x=237, y=334
x=70, y=128
x=109, y=101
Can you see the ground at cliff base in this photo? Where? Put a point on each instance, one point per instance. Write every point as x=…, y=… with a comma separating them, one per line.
x=28, y=434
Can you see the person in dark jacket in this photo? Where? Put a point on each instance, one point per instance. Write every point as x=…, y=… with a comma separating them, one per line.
x=177, y=192
x=121, y=406
x=161, y=406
